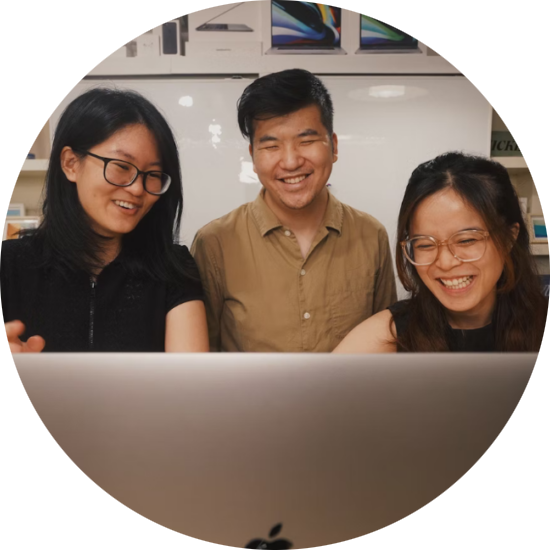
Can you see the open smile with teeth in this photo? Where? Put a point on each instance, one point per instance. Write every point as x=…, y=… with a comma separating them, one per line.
x=126, y=205
x=457, y=283
x=295, y=179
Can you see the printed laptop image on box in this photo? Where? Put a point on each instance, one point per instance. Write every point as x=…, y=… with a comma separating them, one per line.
x=305, y=28
x=378, y=37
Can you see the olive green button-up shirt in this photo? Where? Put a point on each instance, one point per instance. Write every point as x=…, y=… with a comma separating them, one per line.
x=262, y=295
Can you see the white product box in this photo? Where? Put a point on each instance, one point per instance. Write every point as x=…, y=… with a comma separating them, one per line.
x=147, y=45
x=223, y=49
x=530, y=36
x=24, y=45
x=110, y=52
x=224, y=21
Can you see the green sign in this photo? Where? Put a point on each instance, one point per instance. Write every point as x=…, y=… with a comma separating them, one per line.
x=504, y=145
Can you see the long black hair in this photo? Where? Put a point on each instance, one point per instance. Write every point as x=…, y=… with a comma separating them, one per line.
x=68, y=240
x=520, y=313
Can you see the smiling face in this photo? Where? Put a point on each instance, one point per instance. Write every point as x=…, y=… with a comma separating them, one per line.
x=293, y=157
x=467, y=290
x=114, y=211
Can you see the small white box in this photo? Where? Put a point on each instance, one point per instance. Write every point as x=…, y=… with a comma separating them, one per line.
x=148, y=45
x=24, y=45
x=111, y=52
x=530, y=36
x=224, y=21
x=223, y=49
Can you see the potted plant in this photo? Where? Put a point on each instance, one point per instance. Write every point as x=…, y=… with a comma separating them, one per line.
x=542, y=141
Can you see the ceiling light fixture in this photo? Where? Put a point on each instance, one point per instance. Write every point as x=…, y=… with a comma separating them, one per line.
x=467, y=15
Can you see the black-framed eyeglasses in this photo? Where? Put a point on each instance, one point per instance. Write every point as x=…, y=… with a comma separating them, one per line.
x=465, y=246
x=123, y=173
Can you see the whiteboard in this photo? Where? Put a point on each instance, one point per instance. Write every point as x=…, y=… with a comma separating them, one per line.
x=386, y=126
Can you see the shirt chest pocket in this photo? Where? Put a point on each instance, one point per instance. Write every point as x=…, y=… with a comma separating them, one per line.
x=350, y=300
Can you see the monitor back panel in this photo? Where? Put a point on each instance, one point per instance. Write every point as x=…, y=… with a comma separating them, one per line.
x=222, y=447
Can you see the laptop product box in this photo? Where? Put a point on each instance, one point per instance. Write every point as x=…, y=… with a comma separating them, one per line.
x=530, y=36
x=225, y=49
x=377, y=27
x=307, y=27
x=22, y=43
x=224, y=21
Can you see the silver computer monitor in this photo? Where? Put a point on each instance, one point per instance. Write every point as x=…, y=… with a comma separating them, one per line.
x=185, y=452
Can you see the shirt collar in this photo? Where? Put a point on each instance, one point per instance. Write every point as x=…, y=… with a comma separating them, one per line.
x=334, y=215
x=267, y=221
x=263, y=215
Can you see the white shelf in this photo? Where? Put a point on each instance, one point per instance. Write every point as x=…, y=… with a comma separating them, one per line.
x=23, y=167
x=518, y=165
x=39, y=68
x=262, y=64
x=539, y=249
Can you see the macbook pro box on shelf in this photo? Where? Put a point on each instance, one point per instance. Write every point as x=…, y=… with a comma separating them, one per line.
x=305, y=28
x=224, y=21
x=378, y=37
x=224, y=27
x=266, y=450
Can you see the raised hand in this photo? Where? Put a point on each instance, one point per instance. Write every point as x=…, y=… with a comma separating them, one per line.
x=14, y=329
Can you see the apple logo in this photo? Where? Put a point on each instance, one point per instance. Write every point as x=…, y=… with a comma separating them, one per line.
x=279, y=544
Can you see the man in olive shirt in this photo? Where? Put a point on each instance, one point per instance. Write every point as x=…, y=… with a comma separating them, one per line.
x=294, y=270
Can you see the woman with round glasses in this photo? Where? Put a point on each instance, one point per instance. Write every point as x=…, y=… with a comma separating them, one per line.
x=463, y=254
x=102, y=272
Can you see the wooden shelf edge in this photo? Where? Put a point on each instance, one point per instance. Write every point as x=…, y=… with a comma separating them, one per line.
x=23, y=167
x=539, y=249
x=524, y=164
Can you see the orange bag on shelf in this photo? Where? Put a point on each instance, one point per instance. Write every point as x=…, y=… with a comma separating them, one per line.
x=11, y=133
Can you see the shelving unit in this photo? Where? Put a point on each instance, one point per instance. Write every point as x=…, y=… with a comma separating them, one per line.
x=539, y=249
x=519, y=83
x=21, y=168
x=524, y=165
x=225, y=64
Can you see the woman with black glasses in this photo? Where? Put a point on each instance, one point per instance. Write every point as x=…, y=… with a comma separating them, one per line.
x=102, y=272
x=463, y=254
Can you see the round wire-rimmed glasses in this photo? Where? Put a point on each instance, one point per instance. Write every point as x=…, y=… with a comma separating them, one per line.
x=465, y=246
x=123, y=173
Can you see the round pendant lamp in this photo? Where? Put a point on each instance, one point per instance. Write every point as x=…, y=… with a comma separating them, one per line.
x=467, y=15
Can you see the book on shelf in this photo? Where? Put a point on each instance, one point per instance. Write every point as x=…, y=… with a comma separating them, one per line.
x=545, y=282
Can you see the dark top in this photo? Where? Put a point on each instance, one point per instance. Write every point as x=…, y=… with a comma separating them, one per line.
x=473, y=340
x=117, y=312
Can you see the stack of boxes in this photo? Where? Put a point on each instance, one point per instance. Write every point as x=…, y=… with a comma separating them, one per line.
x=86, y=36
